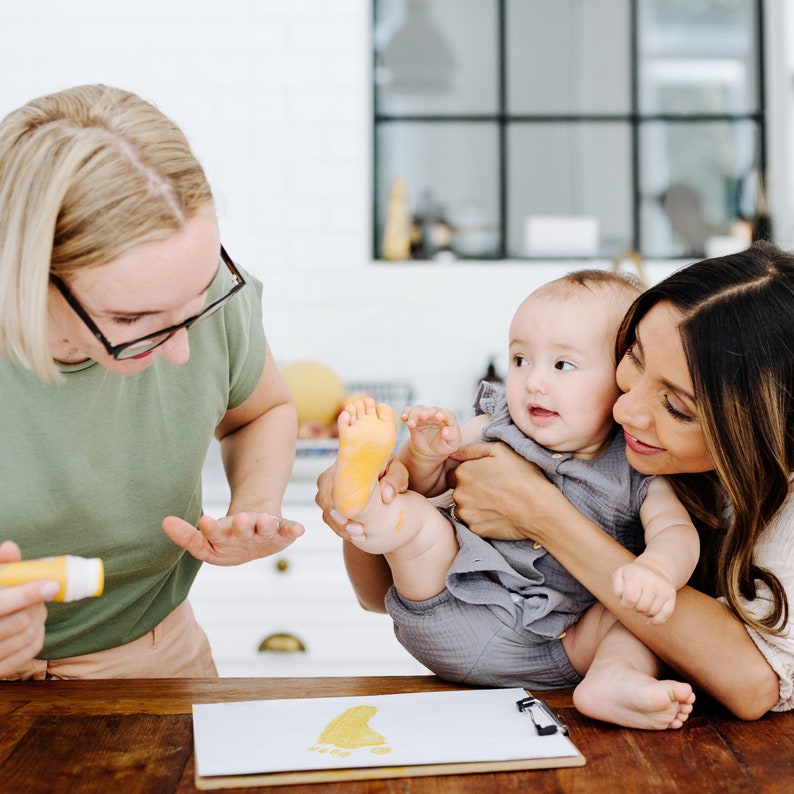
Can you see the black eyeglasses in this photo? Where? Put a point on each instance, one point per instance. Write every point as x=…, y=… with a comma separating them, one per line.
x=144, y=344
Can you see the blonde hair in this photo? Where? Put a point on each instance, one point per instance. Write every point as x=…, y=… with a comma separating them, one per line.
x=85, y=174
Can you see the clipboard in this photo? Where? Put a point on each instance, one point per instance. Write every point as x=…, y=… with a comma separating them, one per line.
x=339, y=739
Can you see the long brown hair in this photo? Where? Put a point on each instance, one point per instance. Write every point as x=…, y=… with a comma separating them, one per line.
x=738, y=337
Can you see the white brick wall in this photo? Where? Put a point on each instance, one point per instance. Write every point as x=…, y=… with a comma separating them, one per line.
x=275, y=98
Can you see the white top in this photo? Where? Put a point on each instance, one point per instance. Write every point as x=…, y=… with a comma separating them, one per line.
x=775, y=552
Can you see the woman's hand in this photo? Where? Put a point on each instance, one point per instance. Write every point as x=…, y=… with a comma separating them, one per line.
x=500, y=495
x=233, y=540
x=22, y=616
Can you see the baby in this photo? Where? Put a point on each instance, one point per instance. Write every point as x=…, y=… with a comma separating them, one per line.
x=505, y=613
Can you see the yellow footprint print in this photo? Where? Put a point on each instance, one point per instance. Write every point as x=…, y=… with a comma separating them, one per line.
x=351, y=731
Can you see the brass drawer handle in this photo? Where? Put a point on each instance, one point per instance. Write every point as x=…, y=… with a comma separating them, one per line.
x=282, y=565
x=282, y=642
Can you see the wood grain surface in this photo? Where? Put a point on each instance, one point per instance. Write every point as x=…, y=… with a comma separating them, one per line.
x=122, y=736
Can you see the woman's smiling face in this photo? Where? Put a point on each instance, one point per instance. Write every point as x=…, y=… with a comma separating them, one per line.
x=657, y=409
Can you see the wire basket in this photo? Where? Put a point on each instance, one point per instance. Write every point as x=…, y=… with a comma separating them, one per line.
x=398, y=394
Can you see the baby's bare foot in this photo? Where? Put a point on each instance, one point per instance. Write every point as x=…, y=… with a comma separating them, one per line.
x=366, y=439
x=633, y=699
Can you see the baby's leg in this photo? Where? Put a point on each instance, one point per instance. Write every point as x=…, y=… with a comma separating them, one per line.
x=419, y=565
x=621, y=686
x=418, y=542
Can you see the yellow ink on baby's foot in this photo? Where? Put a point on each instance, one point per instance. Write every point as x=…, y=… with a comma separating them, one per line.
x=366, y=439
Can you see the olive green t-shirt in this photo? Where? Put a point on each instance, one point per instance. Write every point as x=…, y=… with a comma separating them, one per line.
x=93, y=465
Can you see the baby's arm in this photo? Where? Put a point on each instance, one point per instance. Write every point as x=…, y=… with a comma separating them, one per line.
x=649, y=584
x=434, y=435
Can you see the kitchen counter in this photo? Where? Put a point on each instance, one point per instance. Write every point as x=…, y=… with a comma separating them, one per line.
x=136, y=736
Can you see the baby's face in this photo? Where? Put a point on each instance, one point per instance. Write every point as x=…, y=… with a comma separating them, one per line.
x=561, y=376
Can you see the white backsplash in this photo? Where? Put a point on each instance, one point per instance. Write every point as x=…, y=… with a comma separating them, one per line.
x=275, y=99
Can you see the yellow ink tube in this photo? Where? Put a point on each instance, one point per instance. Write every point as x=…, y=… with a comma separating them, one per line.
x=78, y=577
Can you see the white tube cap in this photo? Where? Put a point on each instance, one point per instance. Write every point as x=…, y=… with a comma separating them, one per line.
x=85, y=577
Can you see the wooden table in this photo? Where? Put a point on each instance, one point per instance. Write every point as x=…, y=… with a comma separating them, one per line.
x=123, y=736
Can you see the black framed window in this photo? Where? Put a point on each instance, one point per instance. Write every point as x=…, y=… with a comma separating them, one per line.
x=527, y=129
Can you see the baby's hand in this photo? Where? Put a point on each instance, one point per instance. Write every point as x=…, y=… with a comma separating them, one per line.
x=435, y=432
x=645, y=590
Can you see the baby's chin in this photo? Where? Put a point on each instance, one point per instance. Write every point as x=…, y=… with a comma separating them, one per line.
x=584, y=448
x=550, y=438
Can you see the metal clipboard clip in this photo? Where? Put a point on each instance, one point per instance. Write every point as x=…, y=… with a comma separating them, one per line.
x=527, y=704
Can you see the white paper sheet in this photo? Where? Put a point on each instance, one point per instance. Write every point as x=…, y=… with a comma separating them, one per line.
x=262, y=736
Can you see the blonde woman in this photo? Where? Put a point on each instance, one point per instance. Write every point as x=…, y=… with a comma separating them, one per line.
x=128, y=338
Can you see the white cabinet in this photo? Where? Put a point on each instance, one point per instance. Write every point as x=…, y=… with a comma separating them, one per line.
x=299, y=604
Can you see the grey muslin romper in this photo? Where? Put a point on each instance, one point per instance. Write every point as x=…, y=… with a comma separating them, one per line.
x=499, y=620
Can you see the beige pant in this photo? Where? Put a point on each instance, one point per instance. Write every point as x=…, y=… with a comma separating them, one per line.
x=176, y=648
